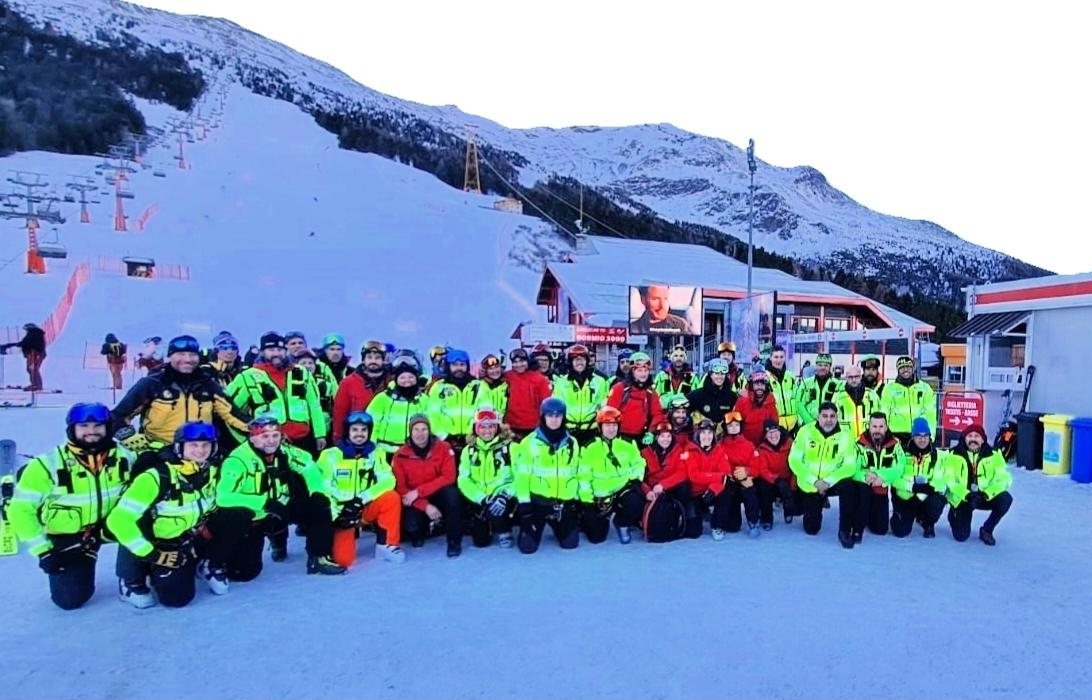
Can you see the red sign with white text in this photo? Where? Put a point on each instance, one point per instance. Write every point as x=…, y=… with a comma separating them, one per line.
x=959, y=410
x=594, y=334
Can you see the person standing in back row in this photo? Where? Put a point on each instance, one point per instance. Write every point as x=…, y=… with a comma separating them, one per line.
x=637, y=399
x=907, y=398
x=783, y=388
x=527, y=389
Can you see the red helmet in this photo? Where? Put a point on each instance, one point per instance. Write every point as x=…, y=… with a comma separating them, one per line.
x=608, y=414
x=577, y=350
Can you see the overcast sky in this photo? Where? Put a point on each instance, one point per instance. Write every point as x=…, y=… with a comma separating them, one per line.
x=970, y=114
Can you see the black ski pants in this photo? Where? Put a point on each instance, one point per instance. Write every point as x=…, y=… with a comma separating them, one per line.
x=416, y=525
x=959, y=518
x=74, y=584
x=627, y=505
x=483, y=525
x=873, y=509
x=904, y=512
x=563, y=517
x=737, y=496
x=767, y=492
x=812, y=504
x=175, y=588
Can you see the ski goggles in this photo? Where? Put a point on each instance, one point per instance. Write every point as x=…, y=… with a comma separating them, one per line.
x=733, y=417
x=261, y=424
x=359, y=418
x=228, y=344
x=517, y=355
x=486, y=416
x=374, y=346
x=333, y=339
x=183, y=343
x=196, y=432
x=88, y=413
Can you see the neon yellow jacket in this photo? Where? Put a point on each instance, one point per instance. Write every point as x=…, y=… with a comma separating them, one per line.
x=171, y=507
x=612, y=465
x=485, y=469
x=816, y=456
x=246, y=480
x=989, y=466
x=582, y=397
x=549, y=472
x=255, y=392
x=903, y=404
x=363, y=476
x=57, y=494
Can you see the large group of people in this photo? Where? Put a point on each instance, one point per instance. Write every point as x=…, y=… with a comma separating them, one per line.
x=209, y=457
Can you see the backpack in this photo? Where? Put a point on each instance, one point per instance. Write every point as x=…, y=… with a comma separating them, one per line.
x=664, y=519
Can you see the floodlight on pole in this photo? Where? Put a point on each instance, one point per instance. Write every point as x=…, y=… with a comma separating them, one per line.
x=751, y=217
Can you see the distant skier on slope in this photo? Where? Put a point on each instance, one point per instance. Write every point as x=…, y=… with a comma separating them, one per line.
x=33, y=345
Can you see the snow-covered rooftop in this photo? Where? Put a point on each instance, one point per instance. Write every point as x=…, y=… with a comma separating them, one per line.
x=598, y=281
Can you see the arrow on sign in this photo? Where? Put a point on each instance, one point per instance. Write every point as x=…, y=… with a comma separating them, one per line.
x=953, y=421
x=967, y=421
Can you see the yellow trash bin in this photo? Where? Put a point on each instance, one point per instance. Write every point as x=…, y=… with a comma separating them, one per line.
x=1056, y=443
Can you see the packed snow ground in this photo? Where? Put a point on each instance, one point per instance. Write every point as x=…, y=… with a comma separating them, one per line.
x=785, y=616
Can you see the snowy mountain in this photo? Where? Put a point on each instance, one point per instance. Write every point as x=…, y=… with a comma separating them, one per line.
x=659, y=169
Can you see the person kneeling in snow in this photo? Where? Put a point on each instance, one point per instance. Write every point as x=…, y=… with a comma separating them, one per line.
x=709, y=470
x=485, y=480
x=159, y=518
x=62, y=500
x=771, y=464
x=361, y=487
x=670, y=512
x=616, y=468
x=978, y=479
x=424, y=471
x=265, y=484
x=739, y=484
x=550, y=481
x=918, y=494
x=824, y=459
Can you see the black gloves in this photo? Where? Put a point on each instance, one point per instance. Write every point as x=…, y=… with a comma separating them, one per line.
x=707, y=497
x=350, y=514
x=498, y=506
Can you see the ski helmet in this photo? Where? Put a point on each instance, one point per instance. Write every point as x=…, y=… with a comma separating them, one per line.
x=358, y=418
x=641, y=358
x=454, y=355
x=608, y=414
x=194, y=431
x=552, y=406
x=726, y=346
x=87, y=413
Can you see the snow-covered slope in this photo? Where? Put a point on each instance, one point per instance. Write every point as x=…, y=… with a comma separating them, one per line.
x=680, y=175
x=282, y=229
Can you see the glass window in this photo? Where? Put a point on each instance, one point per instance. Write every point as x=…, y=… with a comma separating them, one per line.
x=954, y=374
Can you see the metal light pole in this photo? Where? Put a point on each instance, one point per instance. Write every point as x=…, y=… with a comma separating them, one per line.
x=751, y=218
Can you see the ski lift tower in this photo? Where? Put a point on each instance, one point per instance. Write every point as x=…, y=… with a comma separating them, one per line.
x=472, y=182
x=32, y=183
x=83, y=185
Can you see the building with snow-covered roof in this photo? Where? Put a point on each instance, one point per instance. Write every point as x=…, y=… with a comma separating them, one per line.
x=590, y=291
x=1044, y=322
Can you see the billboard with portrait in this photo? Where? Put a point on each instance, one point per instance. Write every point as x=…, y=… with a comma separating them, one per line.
x=661, y=309
x=751, y=327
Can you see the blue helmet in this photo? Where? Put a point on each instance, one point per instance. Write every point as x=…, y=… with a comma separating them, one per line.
x=455, y=355
x=552, y=406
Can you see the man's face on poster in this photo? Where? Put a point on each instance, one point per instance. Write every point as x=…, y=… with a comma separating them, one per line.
x=656, y=302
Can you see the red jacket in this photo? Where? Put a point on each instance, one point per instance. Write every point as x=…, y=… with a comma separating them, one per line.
x=772, y=463
x=707, y=470
x=754, y=415
x=526, y=392
x=668, y=472
x=640, y=407
x=354, y=393
x=739, y=452
x=427, y=474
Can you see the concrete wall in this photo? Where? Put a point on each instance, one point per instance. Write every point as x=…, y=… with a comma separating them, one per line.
x=1060, y=347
